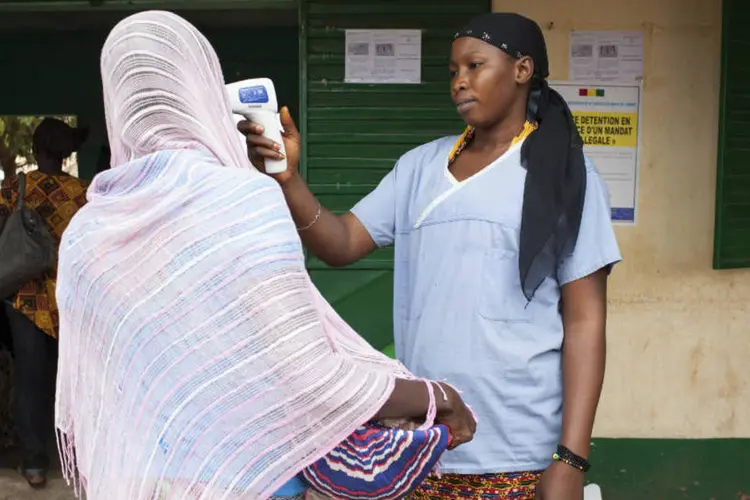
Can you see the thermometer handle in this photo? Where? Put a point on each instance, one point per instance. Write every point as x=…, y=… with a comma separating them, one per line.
x=271, y=130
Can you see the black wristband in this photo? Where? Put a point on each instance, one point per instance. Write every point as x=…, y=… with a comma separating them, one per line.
x=566, y=456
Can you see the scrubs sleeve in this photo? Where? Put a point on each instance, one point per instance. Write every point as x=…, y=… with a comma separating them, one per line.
x=377, y=211
x=596, y=247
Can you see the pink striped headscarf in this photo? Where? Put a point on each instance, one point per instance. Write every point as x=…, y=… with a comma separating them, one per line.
x=195, y=353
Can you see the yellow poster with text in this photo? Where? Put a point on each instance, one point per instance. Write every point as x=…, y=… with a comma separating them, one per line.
x=607, y=128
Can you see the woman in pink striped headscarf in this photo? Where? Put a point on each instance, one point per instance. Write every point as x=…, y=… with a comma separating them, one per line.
x=194, y=350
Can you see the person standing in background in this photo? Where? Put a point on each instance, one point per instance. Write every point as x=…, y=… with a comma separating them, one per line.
x=503, y=245
x=32, y=312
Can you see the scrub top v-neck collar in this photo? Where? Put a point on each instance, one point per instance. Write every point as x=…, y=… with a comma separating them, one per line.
x=457, y=185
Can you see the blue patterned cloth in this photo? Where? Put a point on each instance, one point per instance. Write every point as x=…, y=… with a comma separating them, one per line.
x=377, y=462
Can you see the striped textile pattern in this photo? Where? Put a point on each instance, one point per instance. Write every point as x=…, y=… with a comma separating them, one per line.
x=195, y=353
x=377, y=462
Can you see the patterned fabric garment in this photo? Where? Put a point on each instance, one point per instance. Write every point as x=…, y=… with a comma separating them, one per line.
x=378, y=463
x=56, y=198
x=510, y=486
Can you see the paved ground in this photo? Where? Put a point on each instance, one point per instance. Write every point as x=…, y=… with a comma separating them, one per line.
x=14, y=487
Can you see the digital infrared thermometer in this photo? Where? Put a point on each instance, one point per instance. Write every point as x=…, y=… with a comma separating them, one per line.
x=255, y=100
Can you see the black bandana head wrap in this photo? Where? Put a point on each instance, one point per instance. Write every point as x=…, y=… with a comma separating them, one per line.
x=552, y=155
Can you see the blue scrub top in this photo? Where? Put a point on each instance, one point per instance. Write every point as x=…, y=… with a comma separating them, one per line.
x=459, y=312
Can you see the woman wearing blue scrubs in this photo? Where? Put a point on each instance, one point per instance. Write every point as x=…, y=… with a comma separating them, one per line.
x=503, y=244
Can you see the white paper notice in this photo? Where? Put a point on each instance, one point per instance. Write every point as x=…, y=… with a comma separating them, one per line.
x=614, y=56
x=383, y=56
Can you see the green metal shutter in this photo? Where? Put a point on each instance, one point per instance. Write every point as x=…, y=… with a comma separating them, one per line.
x=51, y=72
x=732, y=229
x=354, y=133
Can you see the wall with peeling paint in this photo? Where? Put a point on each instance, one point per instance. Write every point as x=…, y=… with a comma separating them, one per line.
x=679, y=332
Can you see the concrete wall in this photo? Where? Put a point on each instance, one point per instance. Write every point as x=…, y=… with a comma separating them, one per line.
x=679, y=332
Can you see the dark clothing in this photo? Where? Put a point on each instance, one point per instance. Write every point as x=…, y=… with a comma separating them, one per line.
x=34, y=355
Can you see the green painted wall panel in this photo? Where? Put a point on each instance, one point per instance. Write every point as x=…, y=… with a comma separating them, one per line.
x=732, y=227
x=354, y=133
x=358, y=295
x=671, y=469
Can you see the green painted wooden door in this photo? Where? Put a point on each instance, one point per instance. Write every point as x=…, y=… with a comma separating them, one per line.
x=732, y=228
x=355, y=132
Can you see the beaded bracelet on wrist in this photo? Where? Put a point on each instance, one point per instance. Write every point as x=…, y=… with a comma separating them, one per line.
x=567, y=457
